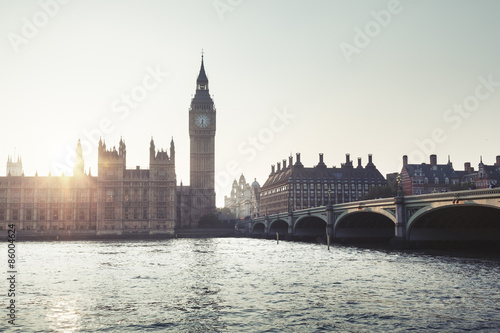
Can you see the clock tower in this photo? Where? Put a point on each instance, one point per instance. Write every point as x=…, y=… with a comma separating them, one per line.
x=202, y=149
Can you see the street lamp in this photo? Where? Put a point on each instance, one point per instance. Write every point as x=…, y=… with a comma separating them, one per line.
x=400, y=192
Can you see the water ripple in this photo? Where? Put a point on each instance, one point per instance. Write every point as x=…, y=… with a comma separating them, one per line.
x=251, y=285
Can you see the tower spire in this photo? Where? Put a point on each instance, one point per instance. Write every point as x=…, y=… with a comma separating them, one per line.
x=202, y=81
x=78, y=167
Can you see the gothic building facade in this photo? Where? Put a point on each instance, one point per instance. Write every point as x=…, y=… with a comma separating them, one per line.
x=119, y=200
x=198, y=199
x=243, y=201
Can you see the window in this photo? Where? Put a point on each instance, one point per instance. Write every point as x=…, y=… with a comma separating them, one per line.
x=144, y=214
x=162, y=213
x=29, y=214
x=162, y=195
x=15, y=214
x=109, y=213
x=2, y=215
x=110, y=194
x=81, y=214
x=55, y=214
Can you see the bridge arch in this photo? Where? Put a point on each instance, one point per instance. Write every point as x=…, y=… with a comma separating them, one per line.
x=310, y=225
x=259, y=228
x=278, y=226
x=365, y=224
x=466, y=222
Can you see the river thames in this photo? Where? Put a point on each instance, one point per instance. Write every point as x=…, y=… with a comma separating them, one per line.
x=249, y=285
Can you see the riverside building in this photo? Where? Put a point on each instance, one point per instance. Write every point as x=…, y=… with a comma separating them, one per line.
x=293, y=186
x=118, y=200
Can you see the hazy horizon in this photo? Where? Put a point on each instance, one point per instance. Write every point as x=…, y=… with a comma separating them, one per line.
x=387, y=78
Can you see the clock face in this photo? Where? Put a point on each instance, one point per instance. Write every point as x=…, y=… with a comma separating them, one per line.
x=202, y=121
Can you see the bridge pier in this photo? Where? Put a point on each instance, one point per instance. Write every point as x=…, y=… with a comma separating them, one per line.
x=266, y=225
x=291, y=222
x=399, y=239
x=330, y=220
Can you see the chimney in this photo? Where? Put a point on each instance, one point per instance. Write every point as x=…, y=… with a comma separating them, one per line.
x=284, y=164
x=347, y=158
x=467, y=168
x=405, y=160
x=359, y=162
x=321, y=158
x=370, y=159
x=433, y=159
x=498, y=161
x=279, y=166
x=272, y=168
x=298, y=158
x=290, y=160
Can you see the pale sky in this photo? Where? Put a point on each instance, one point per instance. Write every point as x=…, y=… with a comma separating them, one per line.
x=386, y=78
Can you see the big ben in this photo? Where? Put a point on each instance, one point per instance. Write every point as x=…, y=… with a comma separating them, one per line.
x=202, y=123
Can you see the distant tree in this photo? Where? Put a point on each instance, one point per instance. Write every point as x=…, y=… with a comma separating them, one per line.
x=226, y=213
x=462, y=187
x=380, y=192
x=209, y=221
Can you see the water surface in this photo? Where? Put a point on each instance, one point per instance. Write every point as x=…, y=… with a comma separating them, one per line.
x=249, y=285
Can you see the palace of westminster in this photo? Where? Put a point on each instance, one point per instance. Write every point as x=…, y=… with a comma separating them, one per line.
x=120, y=200
x=123, y=201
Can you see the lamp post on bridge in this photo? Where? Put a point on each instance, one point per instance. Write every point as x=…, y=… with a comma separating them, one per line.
x=400, y=192
x=266, y=223
x=290, y=215
x=399, y=201
x=329, y=218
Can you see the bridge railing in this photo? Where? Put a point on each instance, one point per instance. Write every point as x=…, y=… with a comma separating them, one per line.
x=479, y=193
x=467, y=194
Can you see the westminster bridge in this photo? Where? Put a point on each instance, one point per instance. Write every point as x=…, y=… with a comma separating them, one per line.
x=451, y=216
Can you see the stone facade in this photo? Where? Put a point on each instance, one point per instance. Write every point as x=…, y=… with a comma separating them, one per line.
x=294, y=186
x=244, y=199
x=14, y=168
x=198, y=199
x=136, y=200
x=433, y=177
x=119, y=200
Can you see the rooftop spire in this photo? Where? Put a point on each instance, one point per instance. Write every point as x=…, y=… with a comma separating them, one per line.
x=202, y=81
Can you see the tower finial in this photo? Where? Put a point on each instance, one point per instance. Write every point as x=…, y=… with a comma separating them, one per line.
x=202, y=53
